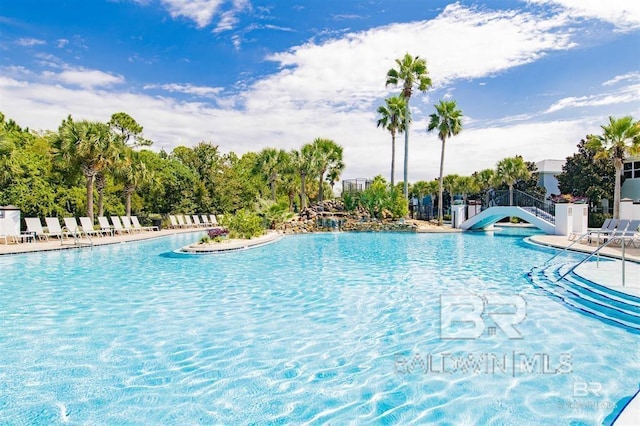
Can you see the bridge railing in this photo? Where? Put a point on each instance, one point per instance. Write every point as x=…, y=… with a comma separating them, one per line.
x=540, y=208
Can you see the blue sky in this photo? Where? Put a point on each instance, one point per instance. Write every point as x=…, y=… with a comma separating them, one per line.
x=532, y=77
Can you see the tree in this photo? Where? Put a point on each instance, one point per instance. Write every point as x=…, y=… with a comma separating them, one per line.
x=484, y=181
x=127, y=129
x=133, y=172
x=270, y=162
x=411, y=71
x=511, y=170
x=392, y=118
x=304, y=163
x=327, y=155
x=466, y=185
x=447, y=120
x=621, y=137
x=449, y=183
x=585, y=176
x=87, y=145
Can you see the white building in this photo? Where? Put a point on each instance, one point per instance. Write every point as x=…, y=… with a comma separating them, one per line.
x=631, y=186
x=547, y=172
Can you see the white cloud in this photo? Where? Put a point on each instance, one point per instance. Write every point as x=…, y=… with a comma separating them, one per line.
x=30, y=42
x=628, y=94
x=199, y=11
x=62, y=42
x=624, y=14
x=85, y=78
x=347, y=72
x=631, y=76
x=187, y=88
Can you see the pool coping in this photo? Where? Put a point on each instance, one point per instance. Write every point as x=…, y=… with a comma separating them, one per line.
x=234, y=245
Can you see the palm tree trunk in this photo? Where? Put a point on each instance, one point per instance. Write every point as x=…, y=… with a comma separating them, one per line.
x=407, y=122
x=273, y=189
x=617, y=164
x=128, y=191
x=303, y=191
x=440, y=203
x=100, y=185
x=90, y=178
x=511, y=194
x=393, y=159
x=320, y=189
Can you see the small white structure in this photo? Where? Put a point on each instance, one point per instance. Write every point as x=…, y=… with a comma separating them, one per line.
x=564, y=218
x=458, y=215
x=626, y=209
x=547, y=172
x=10, y=221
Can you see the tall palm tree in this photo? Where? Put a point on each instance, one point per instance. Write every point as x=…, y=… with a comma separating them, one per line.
x=511, y=170
x=411, y=71
x=449, y=183
x=466, y=185
x=327, y=155
x=621, y=137
x=484, y=180
x=134, y=173
x=447, y=120
x=392, y=119
x=270, y=162
x=87, y=145
x=304, y=162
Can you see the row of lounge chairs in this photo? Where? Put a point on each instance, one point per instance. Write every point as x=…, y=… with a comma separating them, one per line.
x=192, y=221
x=621, y=231
x=85, y=228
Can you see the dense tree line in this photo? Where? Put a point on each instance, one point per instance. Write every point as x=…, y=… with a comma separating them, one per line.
x=92, y=168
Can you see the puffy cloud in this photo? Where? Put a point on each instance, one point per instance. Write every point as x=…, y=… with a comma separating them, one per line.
x=190, y=89
x=83, y=77
x=30, y=42
x=624, y=14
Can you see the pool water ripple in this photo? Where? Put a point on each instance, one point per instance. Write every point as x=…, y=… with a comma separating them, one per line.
x=330, y=328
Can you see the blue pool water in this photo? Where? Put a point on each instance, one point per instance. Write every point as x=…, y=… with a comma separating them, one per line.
x=326, y=328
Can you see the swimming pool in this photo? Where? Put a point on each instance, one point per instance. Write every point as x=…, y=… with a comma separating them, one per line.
x=317, y=328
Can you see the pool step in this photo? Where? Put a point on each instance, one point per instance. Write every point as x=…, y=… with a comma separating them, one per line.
x=609, y=305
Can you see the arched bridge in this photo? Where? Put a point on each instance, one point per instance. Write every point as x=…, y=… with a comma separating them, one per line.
x=539, y=213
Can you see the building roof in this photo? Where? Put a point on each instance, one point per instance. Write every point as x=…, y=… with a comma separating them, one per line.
x=550, y=166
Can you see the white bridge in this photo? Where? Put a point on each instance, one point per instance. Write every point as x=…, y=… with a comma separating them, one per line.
x=535, y=216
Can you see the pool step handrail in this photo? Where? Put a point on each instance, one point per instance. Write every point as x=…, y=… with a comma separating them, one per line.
x=593, y=253
x=568, y=247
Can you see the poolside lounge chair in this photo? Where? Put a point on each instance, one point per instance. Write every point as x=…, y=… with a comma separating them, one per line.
x=117, y=225
x=578, y=237
x=126, y=223
x=105, y=228
x=136, y=225
x=35, y=227
x=205, y=220
x=187, y=221
x=607, y=228
x=174, y=222
x=213, y=220
x=181, y=223
x=196, y=221
x=53, y=227
x=72, y=227
x=628, y=235
x=87, y=227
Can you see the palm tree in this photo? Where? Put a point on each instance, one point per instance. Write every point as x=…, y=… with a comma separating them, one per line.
x=304, y=162
x=449, y=182
x=484, y=180
x=392, y=119
x=621, y=137
x=411, y=71
x=270, y=162
x=448, y=121
x=510, y=171
x=466, y=185
x=327, y=155
x=134, y=173
x=87, y=145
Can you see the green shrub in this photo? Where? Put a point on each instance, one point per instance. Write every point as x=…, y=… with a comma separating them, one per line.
x=273, y=214
x=351, y=201
x=597, y=219
x=244, y=224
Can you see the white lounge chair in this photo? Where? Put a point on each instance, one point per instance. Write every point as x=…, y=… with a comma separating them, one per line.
x=213, y=220
x=117, y=225
x=174, y=222
x=626, y=236
x=136, y=225
x=180, y=219
x=34, y=226
x=205, y=220
x=53, y=228
x=72, y=227
x=105, y=227
x=196, y=221
x=87, y=227
x=126, y=223
x=187, y=221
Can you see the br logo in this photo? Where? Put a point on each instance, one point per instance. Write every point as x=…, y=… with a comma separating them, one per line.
x=462, y=316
